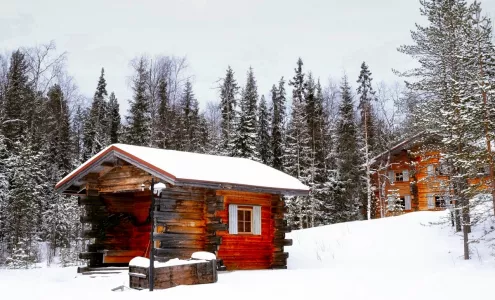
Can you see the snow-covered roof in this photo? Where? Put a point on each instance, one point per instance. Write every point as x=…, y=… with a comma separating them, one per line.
x=193, y=169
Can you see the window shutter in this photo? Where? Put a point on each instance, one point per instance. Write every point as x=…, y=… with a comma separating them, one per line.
x=233, y=218
x=431, y=203
x=407, y=199
x=405, y=175
x=391, y=176
x=257, y=220
x=430, y=170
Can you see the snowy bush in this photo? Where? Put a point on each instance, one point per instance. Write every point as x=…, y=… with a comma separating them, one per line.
x=23, y=255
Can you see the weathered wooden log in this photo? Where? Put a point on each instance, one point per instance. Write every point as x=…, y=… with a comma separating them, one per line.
x=90, y=200
x=166, y=277
x=216, y=226
x=176, y=252
x=173, y=216
x=93, y=218
x=181, y=229
x=89, y=234
x=279, y=209
x=284, y=242
x=177, y=236
x=90, y=255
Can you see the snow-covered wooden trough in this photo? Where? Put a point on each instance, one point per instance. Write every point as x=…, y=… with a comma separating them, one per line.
x=173, y=272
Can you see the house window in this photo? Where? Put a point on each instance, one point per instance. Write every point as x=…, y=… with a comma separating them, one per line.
x=442, y=202
x=439, y=202
x=245, y=219
x=483, y=171
x=399, y=176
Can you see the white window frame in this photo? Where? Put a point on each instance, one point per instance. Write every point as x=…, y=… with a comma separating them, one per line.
x=251, y=211
x=255, y=219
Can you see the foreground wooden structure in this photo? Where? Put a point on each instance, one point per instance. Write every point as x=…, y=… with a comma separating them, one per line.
x=243, y=225
x=413, y=172
x=169, y=276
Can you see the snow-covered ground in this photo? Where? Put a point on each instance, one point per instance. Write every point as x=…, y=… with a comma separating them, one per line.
x=393, y=258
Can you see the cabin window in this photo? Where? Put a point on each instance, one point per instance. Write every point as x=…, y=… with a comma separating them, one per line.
x=245, y=219
x=441, y=202
x=401, y=176
x=483, y=171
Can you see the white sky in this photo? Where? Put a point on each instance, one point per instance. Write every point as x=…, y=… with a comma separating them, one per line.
x=331, y=36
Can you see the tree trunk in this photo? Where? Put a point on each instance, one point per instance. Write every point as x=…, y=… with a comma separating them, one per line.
x=465, y=227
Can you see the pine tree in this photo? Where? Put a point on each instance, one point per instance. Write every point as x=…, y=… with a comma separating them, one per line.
x=4, y=189
x=444, y=49
x=367, y=128
x=23, y=207
x=58, y=133
x=96, y=135
x=245, y=143
x=165, y=121
x=297, y=151
x=348, y=162
x=139, y=119
x=113, y=119
x=78, y=123
x=278, y=125
x=191, y=122
x=264, y=141
x=18, y=102
x=228, y=102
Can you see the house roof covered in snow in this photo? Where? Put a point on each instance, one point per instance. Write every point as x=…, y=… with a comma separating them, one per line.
x=192, y=169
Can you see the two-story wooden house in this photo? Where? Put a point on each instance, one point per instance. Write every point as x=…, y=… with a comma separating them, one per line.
x=412, y=177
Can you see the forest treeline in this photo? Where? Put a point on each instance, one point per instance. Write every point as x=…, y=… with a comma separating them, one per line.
x=326, y=134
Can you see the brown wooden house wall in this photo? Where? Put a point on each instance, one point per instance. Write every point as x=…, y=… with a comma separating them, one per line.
x=187, y=220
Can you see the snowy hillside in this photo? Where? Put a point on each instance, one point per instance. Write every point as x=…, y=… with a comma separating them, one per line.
x=394, y=258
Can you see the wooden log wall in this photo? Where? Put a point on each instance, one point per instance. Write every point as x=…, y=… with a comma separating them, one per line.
x=247, y=251
x=120, y=227
x=167, y=277
x=180, y=219
x=279, y=257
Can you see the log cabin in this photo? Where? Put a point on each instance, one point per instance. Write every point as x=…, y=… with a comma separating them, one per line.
x=232, y=207
x=413, y=173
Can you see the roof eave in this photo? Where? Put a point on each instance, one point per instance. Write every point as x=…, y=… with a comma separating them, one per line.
x=63, y=186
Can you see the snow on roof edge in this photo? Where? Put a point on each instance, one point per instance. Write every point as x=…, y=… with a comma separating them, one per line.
x=118, y=148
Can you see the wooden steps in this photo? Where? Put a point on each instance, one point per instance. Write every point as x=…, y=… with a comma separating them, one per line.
x=101, y=270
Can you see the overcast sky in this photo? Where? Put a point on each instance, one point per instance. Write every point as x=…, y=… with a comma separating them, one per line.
x=331, y=36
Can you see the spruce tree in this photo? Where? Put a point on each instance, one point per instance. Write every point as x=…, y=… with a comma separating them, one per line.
x=278, y=125
x=19, y=100
x=191, y=122
x=165, y=121
x=245, y=143
x=113, y=119
x=264, y=137
x=348, y=162
x=58, y=133
x=96, y=135
x=367, y=129
x=297, y=151
x=139, y=118
x=23, y=206
x=228, y=103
